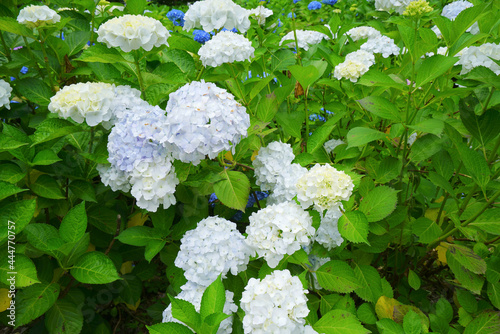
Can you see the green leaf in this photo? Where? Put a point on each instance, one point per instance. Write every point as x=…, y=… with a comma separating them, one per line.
x=136, y=7
x=52, y=128
x=83, y=190
x=370, y=289
x=213, y=298
x=467, y=300
x=379, y=203
x=426, y=229
x=259, y=85
x=467, y=258
x=64, y=317
x=321, y=134
x=353, y=226
x=74, y=224
x=337, y=276
x=8, y=143
x=76, y=41
x=94, y=268
x=411, y=323
x=465, y=19
x=11, y=25
x=45, y=157
x=291, y=122
x=169, y=328
x=379, y=79
x=153, y=248
x=24, y=269
x=485, y=127
x=34, y=301
x=425, y=147
x=182, y=59
x=307, y=75
x=103, y=218
x=20, y=212
x=413, y=280
x=101, y=54
x=185, y=312
x=42, y=236
x=440, y=181
x=78, y=249
x=381, y=107
x=389, y=326
x=366, y=314
x=431, y=125
x=432, y=68
x=130, y=288
x=444, y=310
x=339, y=322
x=139, y=236
x=487, y=322
x=35, y=90
x=468, y=279
x=267, y=107
x=362, y=136
x=489, y=221
x=46, y=186
x=233, y=189
x=282, y=60
x=8, y=189
x=494, y=294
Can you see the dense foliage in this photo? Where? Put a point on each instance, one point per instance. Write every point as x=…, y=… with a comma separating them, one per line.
x=296, y=175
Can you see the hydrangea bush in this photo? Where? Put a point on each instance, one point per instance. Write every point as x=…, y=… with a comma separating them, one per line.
x=250, y=167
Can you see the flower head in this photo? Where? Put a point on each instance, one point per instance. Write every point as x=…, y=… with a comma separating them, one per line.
x=313, y=5
x=203, y=119
x=328, y=233
x=381, y=44
x=305, y=38
x=177, y=17
x=397, y=6
x=482, y=55
x=201, y=36
x=355, y=65
x=226, y=47
x=329, y=2
x=270, y=163
x=452, y=10
x=363, y=32
x=332, y=144
x=132, y=32
x=261, y=13
x=216, y=14
x=417, y=8
x=37, y=16
x=5, y=91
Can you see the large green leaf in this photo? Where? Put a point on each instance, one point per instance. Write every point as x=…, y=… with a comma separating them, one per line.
x=74, y=224
x=8, y=143
x=337, y=276
x=101, y=54
x=233, y=189
x=139, y=236
x=291, y=122
x=494, y=294
x=11, y=25
x=169, y=328
x=379, y=203
x=34, y=301
x=76, y=41
x=353, y=226
x=487, y=322
x=425, y=147
x=321, y=134
x=489, y=221
x=43, y=237
x=46, y=186
x=281, y=60
x=485, y=127
x=467, y=258
x=339, y=322
x=185, y=312
x=45, y=157
x=94, y=268
x=136, y=7
x=52, y=128
x=432, y=68
x=8, y=189
x=64, y=317
x=20, y=212
x=468, y=279
x=307, y=75
x=22, y=266
x=213, y=298
x=83, y=189
x=411, y=323
x=362, y=136
x=389, y=326
x=267, y=107
x=370, y=288
x=35, y=90
x=381, y=107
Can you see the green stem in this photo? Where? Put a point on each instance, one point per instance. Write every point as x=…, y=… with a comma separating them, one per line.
x=33, y=57
x=238, y=84
x=139, y=75
x=307, y=117
x=46, y=60
x=485, y=106
x=198, y=77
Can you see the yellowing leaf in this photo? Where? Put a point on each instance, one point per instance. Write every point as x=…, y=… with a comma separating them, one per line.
x=433, y=213
x=137, y=220
x=229, y=156
x=385, y=307
x=439, y=200
x=126, y=267
x=441, y=250
x=4, y=299
x=254, y=155
x=134, y=307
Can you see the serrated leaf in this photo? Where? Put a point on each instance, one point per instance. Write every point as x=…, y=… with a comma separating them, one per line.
x=64, y=317
x=432, y=68
x=389, y=326
x=321, y=134
x=353, y=226
x=489, y=221
x=11, y=173
x=94, y=268
x=153, y=248
x=74, y=224
x=425, y=147
x=411, y=323
x=34, y=301
x=370, y=283
x=233, y=189
x=339, y=322
x=185, y=312
x=281, y=60
x=8, y=189
x=337, y=276
x=494, y=294
x=101, y=54
x=52, y=128
x=379, y=203
x=46, y=186
x=467, y=258
x=83, y=190
x=139, y=236
x=487, y=322
x=485, y=127
x=11, y=25
x=41, y=236
x=413, y=280
x=366, y=314
x=78, y=248
x=24, y=268
x=170, y=328
x=380, y=107
x=361, y=136
x=306, y=75
x=468, y=279
x=213, y=298
x=8, y=143
x=35, y=90
x=45, y=157
x=20, y=212
x=426, y=229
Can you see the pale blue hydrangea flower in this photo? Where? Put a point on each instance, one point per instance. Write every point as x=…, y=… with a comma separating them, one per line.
x=313, y=5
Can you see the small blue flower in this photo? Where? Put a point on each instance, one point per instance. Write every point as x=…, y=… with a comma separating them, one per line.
x=280, y=24
x=260, y=196
x=177, y=17
x=327, y=111
x=201, y=36
x=24, y=70
x=315, y=117
x=329, y=2
x=233, y=30
x=12, y=78
x=290, y=15
x=314, y=5
x=295, y=1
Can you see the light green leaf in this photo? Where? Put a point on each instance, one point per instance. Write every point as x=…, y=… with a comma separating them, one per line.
x=20, y=212
x=487, y=322
x=389, y=326
x=169, y=328
x=139, y=236
x=153, y=248
x=185, y=312
x=413, y=280
x=45, y=157
x=425, y=147
x=494, y=294
x=42, y=236
x=213, y=298
x=377, y=79
x=381, y=107
x=362, y=136
x=267, y=107
x=281, y=60
x=8, y=143
x=467, y=258
x=35, y=90
x=411, y=323
x=291, y=122
x=8, y=189
x=337, y=276
x=306, y=75
x=468, y=279
x=233, y=189
x=76, y=41
x=136, y=7
x=321, y=134
x=426, y=229
x=24, y=268
x=370, y=289
x=444, y=310
x=64, y=317
x=366, y=314
x=101, y=54
x=46, y=186
x=34, y=301
x=379, y=203
x=353, y=226
x=432, y=68
x=339, y=322
x=489, y=221
x=431, y=125
x=94, y=268
x=74, y=224
x=52, y=128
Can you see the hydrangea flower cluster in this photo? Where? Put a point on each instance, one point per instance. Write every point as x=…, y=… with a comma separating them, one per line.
x=451, y=12
x=417, y=8
x=203, y=119
x=363, y=32
x=332, y=144
x=397, y=6
x=216, y=14
x=201, y=36
x=314, y=5
x=275, y=304
x=225, y=47
x=5, y=91
x=381, y=44
x=260, y=13
x=285, y=188
x=37, y=16
x=355, y=65
x=305, y=38
x=94, y=102
x=177, y=17
x=324, y=186
x=328, y=233
x=329, y=2
x=482, y=55
x=213, y=248
x=279, y=229
x=132, y=32
x=193, y=294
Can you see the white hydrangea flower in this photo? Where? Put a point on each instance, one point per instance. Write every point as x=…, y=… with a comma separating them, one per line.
x=225, y=47
x=332, y=144
x=443, y=50
x=355, y=65
x=37, y=16
x=411, y=139
x=381, y=44
x=363, y=32
x=132, y=32
x=5, y=91
x=203, y=119
x=216, y=14
x=305, y=38
x=323, y=186
x=279, y=229
x=270, y=163
x=451, y=12
x=213, y=248
x=328, y=234
x=126, y=99
x=114, y=178
x=260, y=13
x=193, y=293
x=397, y=6
x=275, y=304
x=475, y=56
x=285, y=188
